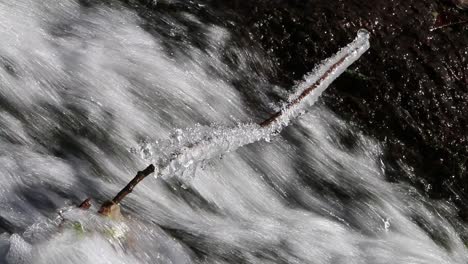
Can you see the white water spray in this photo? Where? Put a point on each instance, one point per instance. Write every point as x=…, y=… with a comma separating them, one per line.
x=81, y=85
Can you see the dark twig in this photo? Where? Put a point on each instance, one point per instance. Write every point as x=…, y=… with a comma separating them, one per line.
x=109, y=208
x=129, y=188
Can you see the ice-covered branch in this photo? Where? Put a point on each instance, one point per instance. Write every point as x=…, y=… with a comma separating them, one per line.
x=181, y=156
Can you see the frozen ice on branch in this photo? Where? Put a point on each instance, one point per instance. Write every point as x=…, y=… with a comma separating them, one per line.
x=180, y=156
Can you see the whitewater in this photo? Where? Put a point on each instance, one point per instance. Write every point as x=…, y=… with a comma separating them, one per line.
x=88, y=96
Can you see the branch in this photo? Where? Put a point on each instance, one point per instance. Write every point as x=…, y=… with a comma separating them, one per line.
x=316, y=81
x=111, y=207
x=336, y=64
x=129, y=188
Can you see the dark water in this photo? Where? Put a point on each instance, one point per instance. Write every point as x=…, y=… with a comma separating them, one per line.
x=375, y=173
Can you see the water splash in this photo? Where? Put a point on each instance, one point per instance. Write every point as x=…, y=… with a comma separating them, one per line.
x=80, y=85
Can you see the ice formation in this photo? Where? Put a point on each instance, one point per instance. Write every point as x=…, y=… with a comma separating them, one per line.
x=187, y=148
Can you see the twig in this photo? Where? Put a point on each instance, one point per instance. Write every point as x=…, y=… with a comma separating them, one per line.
x=129, y=188
x=109, y=207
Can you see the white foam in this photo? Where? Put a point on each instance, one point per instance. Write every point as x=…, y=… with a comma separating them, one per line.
x=79, y=86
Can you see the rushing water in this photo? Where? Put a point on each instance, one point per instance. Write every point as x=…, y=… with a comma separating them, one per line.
x=82, y=90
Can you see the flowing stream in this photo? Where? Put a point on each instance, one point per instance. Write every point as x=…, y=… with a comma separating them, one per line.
x=88, y=96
